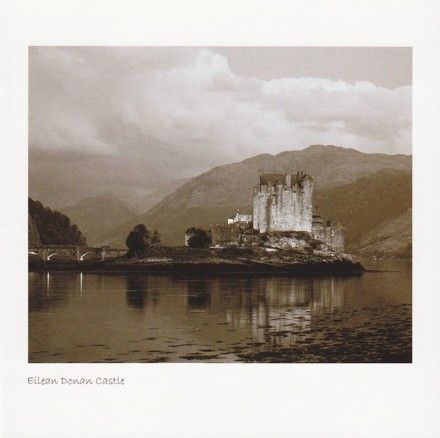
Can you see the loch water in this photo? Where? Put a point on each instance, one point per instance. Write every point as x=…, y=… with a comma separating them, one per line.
x=136, y=317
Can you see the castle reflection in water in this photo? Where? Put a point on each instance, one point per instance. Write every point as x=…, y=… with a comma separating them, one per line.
x=276, y=310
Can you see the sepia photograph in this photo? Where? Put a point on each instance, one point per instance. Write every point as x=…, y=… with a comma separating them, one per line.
x=219, y=219
x=219, y=204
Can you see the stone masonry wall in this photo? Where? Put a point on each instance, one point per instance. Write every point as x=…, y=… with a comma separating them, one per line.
x=283, y=203
x=225, y=233
x=332, y=236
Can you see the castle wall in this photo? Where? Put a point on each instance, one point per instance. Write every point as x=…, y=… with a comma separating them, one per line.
x=237, y=233
x=332, y=236
x=283, y=203
x=226, y=234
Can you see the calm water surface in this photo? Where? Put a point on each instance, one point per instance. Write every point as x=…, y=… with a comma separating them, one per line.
x=134, y=317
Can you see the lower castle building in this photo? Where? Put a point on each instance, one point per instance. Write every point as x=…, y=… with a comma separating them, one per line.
x=332, y=235
x=240, y=218
x=238, y=231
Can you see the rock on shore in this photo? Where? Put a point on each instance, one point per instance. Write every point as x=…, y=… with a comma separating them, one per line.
x=171, y=260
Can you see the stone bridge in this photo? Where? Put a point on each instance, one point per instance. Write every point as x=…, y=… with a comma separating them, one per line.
x=78, y=253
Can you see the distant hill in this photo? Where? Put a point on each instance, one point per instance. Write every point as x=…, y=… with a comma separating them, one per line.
x=393, y=237
x=141, y=204
x=49, y=227
x=212, y=196
x=97, y=214
x=375, y=211
x=232, y=184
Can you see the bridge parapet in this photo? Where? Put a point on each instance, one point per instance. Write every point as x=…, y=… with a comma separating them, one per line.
x=47, y=252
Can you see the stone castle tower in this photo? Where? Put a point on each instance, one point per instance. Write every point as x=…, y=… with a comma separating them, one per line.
x=283, y=202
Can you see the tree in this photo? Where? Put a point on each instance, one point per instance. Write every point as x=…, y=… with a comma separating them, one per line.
x=138, y=240
x=199, y=238
x=53, y=227
x=155, y=238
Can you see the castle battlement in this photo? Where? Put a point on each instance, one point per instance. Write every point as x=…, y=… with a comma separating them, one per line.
x=284, y=179
x=283, y=202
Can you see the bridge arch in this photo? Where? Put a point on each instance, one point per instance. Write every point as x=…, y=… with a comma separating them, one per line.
x=81, y=257
x=74, y=252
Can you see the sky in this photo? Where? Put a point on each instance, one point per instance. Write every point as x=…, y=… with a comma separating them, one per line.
x=127, y=119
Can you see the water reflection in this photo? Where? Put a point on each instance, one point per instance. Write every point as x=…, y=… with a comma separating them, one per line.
x=139, y=293
x=198, y=295
x=280, y=310
x=47, y=292
x=164, y=313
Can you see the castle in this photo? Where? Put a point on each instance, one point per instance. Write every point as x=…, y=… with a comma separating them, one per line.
x=282, y=213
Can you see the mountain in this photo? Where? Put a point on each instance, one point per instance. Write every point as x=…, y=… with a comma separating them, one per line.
x=96, y=215
x=142, y=203
x=212, y=196
x=375, y=211
x=232, y=184
x=393, y=237
x=49, y=227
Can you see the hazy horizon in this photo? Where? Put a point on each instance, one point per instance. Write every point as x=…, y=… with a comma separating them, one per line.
x=129, y=119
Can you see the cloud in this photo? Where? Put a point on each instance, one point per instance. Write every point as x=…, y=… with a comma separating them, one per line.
x=182, y=110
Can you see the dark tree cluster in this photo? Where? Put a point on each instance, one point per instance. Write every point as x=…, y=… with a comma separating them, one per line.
x=140, y=238
x=198, y=238
x=54, y=228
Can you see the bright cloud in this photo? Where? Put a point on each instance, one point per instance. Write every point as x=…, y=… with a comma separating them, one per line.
x=91, y=106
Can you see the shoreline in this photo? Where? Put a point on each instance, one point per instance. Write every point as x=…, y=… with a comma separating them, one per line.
x=321, y=268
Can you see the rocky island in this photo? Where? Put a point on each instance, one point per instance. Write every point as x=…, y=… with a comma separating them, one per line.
x=183, y=260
